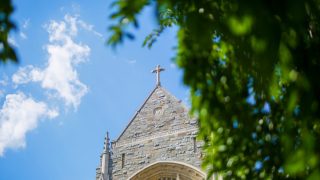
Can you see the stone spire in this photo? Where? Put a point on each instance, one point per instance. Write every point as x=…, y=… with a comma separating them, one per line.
x=157, y=71
x=105, y=159
x=106, y=143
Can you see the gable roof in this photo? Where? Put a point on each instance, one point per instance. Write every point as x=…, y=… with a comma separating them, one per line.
x=156, y=89
x=137, y=112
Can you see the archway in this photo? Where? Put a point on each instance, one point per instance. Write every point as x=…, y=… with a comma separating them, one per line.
x=171, y=170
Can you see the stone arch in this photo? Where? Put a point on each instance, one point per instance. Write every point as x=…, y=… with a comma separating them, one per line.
x=168, y=170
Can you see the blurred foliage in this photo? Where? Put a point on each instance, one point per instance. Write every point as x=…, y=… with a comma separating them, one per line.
x=6, y=25
x=253, y=68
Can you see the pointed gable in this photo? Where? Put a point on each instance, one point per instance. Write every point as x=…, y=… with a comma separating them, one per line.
x=161, y=131
x=160, y=113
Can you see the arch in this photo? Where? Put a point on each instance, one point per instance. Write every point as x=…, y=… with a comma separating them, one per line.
x=168, y=170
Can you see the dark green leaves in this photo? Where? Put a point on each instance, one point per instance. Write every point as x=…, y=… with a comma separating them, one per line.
x=125, y=16
x=253, y=70
x=7, y=52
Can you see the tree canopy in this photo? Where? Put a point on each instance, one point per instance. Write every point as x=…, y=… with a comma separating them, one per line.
x=7, y=52
x=253, y=68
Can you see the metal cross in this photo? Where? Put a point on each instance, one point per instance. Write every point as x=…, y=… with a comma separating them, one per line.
x=157, y=71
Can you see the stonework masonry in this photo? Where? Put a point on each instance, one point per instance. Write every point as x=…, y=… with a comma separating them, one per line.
x=160, y=131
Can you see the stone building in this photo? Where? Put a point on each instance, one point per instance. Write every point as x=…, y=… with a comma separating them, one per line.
x=159, y=143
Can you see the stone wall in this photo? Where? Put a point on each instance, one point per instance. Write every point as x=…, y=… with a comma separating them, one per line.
x=162, y=130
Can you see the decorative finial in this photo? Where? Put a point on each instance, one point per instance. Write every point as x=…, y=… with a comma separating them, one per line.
x=106, y=142
x=157, y=71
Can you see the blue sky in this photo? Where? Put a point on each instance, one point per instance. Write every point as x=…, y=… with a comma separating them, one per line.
x=69, y=88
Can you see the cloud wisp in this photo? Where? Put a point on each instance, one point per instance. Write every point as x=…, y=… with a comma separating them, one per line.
x=25, y=25
x=59, y=76
x=19, y=115
x=59, y=79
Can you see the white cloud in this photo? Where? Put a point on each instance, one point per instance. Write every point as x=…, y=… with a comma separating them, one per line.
x=22, y=76
x=89, y=27
x=60, y=75
x=59, y=78
x=74, y=21
x=23, y=35
x=26, y=23
x=19, y=115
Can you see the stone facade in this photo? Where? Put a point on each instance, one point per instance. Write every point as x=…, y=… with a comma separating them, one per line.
x=160, y=131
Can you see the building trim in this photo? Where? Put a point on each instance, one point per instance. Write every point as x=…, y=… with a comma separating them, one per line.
x=169, y=162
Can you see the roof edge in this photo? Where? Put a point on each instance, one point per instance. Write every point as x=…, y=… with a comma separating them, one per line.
x=145, y=101
x=137, y=112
